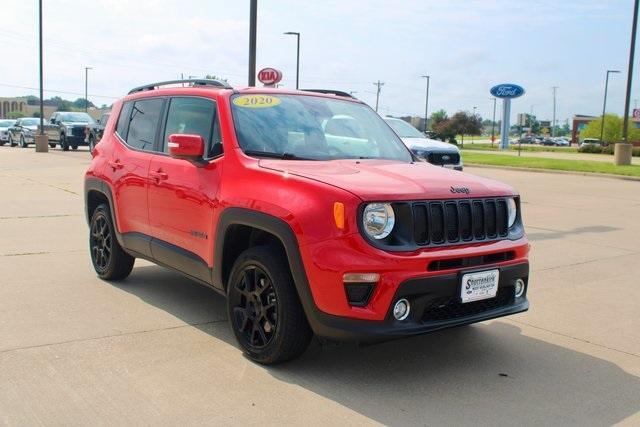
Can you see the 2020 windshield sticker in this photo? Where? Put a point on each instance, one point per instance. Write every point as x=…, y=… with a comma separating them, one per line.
x=256, y=101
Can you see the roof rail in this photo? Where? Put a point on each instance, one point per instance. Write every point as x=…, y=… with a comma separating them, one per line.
x=330, y=92
x=192, y=82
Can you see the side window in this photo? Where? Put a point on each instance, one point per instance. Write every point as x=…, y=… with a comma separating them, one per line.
x=215, y=149
x=143, y=124
x=123, y=120
x=193, y=116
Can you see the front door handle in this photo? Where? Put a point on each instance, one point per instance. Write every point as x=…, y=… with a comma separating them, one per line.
x=159, y=175
x=115, y=164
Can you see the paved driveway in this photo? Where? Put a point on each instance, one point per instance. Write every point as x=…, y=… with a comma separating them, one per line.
x=156, y=349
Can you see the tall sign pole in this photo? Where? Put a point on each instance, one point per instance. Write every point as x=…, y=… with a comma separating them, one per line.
x=506, y=92
x=253, y=22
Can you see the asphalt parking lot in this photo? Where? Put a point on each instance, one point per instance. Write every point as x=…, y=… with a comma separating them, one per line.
x=156, y=348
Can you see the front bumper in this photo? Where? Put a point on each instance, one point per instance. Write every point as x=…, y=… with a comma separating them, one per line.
x=434, y=305
x=4, y=135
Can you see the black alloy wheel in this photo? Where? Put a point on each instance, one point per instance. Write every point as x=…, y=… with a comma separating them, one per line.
x=264, y=310
x=255, y=313
x=101, y=243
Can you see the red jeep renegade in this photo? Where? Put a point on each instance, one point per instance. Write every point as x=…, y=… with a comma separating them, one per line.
x=306, y=211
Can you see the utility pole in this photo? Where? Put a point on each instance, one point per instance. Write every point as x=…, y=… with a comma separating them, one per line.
x=86, y=88
x=553, y=123
x=426, y=106
x=634, y=28
x=379, y=84
x=604, y=105
x=253, y=23
x=493, y=122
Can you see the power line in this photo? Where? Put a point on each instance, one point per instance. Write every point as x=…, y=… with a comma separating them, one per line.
x=59, y=91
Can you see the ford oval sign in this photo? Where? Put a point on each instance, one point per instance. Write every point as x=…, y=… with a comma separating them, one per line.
x=507, y=90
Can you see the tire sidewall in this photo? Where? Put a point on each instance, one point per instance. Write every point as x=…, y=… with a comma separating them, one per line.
x=277, y=270
x=102, y=212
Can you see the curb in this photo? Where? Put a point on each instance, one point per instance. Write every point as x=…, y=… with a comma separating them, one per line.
x=559, y=172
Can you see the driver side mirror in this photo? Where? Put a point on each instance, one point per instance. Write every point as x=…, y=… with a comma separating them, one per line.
x=186, y=146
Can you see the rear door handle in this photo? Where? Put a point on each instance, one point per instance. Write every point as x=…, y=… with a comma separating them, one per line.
x=159, y=175
x=115, y=164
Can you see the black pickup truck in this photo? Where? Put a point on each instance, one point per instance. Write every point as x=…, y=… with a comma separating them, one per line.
x=94, y=131
x=68, y=129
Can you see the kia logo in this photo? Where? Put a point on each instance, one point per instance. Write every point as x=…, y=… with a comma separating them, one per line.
x=459, y=190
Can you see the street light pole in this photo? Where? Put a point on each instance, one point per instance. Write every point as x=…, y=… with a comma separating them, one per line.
x=41, y=74
x=426, y=106
x=253, y=23
x=634, y=28
x=86, y=88
x=293, y=33
x=493, y=122
x=604, y=105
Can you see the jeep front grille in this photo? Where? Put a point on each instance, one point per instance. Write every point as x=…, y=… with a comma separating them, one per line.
x=455, y=221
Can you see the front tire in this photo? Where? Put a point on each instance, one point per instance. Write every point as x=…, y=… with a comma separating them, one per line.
x=63, y=143
x=109, y=260
x=263, y=307
x=92, y=142
x=23, y=143
x=11, y=143
x=52, y=145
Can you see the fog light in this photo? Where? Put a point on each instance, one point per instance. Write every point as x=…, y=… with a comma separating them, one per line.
x=519, y=288
x=401, y=309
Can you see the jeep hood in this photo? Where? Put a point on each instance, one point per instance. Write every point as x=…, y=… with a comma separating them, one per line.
x=390, y=180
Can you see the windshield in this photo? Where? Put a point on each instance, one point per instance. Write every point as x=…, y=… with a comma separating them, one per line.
x=306, y=127
x=404, y=129
x=31, y=122
x=6, y=123
x=75, y=117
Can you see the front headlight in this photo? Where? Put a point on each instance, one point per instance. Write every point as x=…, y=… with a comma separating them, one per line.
x=512, y=211
x=378, y=220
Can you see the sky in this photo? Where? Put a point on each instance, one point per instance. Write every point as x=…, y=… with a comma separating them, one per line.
x=466, y=47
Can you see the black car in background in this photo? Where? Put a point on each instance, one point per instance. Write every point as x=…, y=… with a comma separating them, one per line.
x=94, y=131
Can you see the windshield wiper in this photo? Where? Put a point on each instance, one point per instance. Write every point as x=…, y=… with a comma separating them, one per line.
x=282, y=156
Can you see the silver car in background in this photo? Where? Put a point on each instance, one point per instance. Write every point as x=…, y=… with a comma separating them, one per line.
x=5, y=124
x=433, y=151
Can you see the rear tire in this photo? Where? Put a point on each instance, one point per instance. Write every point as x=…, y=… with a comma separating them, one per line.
x=109, y=260
x=263, y=307
x=1, y=143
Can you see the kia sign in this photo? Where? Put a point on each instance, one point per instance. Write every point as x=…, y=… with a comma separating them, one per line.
x=507, y=90
x=269, y=76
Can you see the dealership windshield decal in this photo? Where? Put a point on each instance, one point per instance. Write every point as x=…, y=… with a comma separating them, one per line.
x=256, y=101
x=507, y=90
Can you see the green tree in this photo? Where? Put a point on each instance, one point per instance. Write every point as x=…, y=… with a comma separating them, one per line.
x=15, y=114
x=436, y=118
x=80, y=102
x=467, y=124
x=612, y=129
x=532, y=123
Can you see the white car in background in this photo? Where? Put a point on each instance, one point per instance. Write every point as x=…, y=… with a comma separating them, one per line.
x=433, y=151
x=5, y=124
